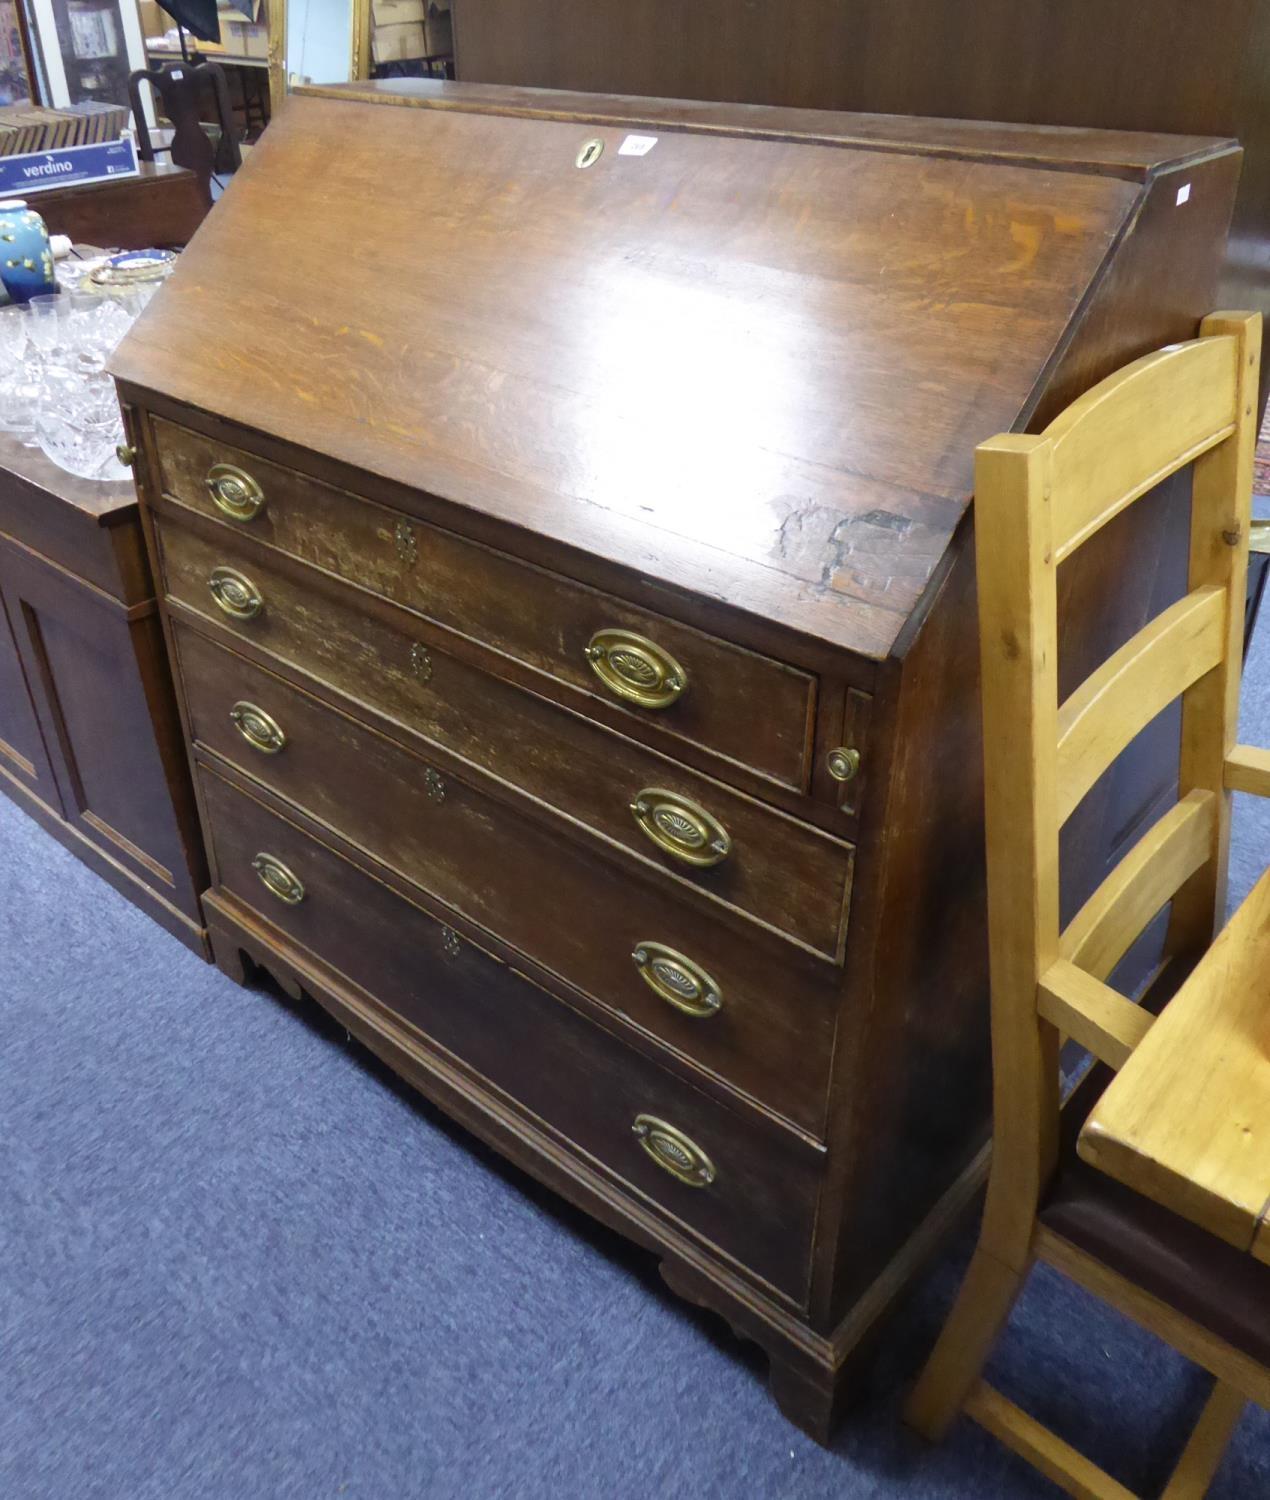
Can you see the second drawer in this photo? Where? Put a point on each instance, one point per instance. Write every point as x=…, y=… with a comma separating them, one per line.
x=738, y=1002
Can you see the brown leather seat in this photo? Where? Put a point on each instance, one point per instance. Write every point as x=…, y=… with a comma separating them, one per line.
x=1222, y=1288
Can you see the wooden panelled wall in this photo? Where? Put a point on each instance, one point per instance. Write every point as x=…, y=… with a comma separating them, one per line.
x=1170, y=65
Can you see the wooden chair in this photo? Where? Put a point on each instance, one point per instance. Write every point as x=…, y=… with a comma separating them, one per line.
x=1037, y=499
x=182, y=90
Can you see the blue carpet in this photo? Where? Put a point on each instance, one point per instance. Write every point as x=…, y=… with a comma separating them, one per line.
x=238, y=1262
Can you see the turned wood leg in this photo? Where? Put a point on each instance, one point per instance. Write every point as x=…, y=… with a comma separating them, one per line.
x=987, y=1295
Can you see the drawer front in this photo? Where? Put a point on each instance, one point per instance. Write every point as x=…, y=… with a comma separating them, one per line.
x=782, y=871
x=758, y=1207
x=760, y=1013
x=747, y=708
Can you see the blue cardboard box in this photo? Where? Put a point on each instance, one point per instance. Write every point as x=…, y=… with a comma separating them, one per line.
x=24, y=176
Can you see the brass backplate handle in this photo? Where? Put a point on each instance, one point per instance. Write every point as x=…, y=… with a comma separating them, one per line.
x=235, y=594
x=259, y=729
x=681, y=827
x=635, y=668
x=234, y=492
x=278, y=879
x=673, y=1151
x=678, y=981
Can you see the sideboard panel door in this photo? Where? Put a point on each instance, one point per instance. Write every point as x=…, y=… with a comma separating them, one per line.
x=22, y=752
x=80, y=649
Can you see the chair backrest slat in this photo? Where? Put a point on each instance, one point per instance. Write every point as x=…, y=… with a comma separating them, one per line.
x=1121, y=698
x=1037, y=498
x=1144, y=881
x=1135, y=429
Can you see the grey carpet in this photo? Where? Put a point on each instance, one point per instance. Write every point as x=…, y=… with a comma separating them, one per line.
x=238, y=1262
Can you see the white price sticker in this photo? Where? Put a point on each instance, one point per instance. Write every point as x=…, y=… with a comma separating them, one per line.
x=1183, y=193
x=637, y=145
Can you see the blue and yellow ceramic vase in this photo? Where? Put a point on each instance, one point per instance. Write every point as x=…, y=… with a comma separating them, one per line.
x=26, y=261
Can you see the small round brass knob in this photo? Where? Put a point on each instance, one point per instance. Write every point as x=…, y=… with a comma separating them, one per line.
x=844, y=763
x=126, y=454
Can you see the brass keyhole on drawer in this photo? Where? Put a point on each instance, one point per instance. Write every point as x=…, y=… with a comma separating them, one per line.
x=635, y=668
x=235, y=594
x=404, y=541
x=843, y=763
x=278, y=879
x=681, y=827
x=421, y=662
x=434, y=782
x=451, y=942
x=673, y=1151
x=677, y=980
x=234, y=492
x=259, y=729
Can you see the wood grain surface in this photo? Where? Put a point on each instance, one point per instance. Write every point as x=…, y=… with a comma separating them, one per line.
x=758, y=305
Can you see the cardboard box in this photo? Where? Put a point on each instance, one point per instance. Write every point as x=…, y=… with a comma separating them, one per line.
x=397, y=12
x=244, y=38
x=154, y=21
x=397, y=43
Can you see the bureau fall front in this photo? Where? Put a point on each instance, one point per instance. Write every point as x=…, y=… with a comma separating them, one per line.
x=567, y=562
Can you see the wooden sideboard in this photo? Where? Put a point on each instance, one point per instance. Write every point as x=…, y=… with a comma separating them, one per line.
x=575, y=631
x=90, y=742
x=161, y=206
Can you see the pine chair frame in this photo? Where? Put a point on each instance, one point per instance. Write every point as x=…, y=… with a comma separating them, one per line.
x=1037, y=500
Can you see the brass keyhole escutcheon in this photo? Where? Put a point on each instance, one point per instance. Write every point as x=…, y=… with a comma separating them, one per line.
x=421, y=662
x=681, y=827
x=677, y=980
x=261, y=731
x=235, y=594
x=234, y=492
x=635, y=668
x=278, y=879
x=843, y=763
x=673, y=1151
x=589, y=152
x=405, y=543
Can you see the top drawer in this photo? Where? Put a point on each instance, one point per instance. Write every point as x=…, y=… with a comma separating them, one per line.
x=657, y=674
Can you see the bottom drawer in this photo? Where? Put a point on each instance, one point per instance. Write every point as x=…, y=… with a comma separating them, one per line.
x=751, y=1187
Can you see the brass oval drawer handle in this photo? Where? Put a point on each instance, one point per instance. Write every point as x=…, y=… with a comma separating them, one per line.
x=259, y=729
x=636, y=668
x=234, y=492
x=278, y=879
x=235, y=594
x=681, y=827
x=677, y=980
x=673, y=1151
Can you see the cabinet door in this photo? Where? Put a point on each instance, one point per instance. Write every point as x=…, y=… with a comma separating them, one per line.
x=98, y=679
x=23, y=754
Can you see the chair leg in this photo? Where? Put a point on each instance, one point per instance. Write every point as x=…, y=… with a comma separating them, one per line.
x=983, y=1305
x=1203, y=1453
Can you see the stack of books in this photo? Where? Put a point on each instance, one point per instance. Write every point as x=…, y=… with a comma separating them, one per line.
x=26, y=129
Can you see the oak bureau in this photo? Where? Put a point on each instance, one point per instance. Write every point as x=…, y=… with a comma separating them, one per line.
x=562, y=511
